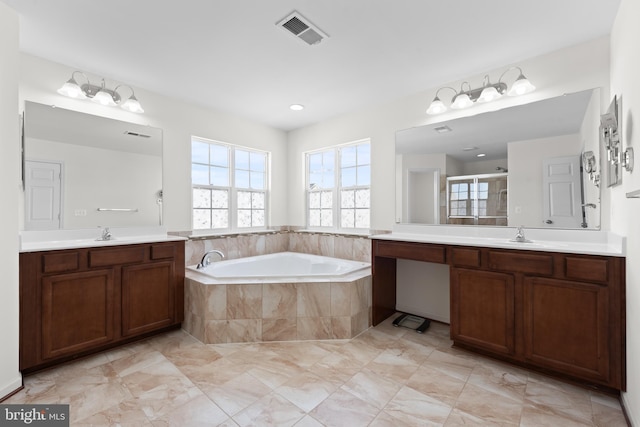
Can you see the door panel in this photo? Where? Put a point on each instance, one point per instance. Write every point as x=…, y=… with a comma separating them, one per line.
x=482, y=310
x=561, y=192
x=42, y=195
x=148, y=299
x=77, y=312
x=566, y=326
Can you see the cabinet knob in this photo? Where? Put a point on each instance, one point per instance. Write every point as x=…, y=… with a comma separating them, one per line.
x=548, y=221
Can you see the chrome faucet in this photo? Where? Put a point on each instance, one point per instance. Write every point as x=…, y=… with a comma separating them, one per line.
x=206, y=259
x=520, y=235
x=106, y=234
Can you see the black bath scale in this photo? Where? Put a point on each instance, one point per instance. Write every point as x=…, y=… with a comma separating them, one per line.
x=418, y=324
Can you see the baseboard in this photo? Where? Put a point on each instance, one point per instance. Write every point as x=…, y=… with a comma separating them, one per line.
x=10, y=388
x=422, y=313
x=625, y=409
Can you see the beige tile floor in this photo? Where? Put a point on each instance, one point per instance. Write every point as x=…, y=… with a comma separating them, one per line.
x=385, y=377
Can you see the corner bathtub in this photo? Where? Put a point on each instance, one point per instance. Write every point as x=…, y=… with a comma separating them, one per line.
x=282, y=265
x=285, y=296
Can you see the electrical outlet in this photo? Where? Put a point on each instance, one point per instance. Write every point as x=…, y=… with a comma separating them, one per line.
x=80, y=212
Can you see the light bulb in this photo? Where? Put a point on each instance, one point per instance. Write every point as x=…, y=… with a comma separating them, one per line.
x=104, y=98
x=132, y=104
x=71, y=89
x=462, y=101
x=436, y=106
x=521, y=86
x=489, y=94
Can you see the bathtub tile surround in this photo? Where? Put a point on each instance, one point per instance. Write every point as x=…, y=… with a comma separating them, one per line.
x=243, y=312
x=286, y=239
x=174, y=379
x=279, y=301
x=285, y=329
x=226, y=313
x=313, y=300
x=244, y=302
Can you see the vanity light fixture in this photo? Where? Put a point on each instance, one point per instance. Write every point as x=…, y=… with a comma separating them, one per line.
x=467, y=97
x=462, y=99
x=100, y=94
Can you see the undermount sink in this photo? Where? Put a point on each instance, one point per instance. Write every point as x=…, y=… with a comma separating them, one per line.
x=551, y=240
x=65, y=239
x=521, y=241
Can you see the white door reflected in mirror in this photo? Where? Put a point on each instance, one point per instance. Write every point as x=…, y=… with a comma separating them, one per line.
x=42, y=186
x=562, y=191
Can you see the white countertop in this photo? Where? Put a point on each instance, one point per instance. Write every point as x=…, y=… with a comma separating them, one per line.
x=588, y=242
x=34, y=241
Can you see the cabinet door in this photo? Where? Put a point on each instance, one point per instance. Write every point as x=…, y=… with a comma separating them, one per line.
x=566, y=326
x=482, y=310
x=77, y=312
x=148, y=297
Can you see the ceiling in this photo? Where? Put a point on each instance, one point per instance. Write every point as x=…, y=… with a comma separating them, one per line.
x=71, y=127
x=230, y=55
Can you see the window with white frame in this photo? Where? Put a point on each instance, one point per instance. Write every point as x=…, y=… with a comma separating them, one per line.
x=229, y=185
x=468, y=197
x=339, y=187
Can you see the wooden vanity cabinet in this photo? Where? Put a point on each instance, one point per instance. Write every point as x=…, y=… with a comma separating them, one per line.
x=78, y=301
x=484, y=310
x=566, y=327
x=559, y=313
x=77, y=312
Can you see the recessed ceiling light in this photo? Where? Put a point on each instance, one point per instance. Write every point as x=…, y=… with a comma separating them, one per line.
x=296, y=107
x=480, y=155
x=469, y=148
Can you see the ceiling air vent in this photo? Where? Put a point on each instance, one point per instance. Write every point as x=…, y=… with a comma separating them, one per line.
x=141, y=135
x=302, y=28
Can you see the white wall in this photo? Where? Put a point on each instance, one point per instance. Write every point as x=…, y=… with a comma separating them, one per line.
x=39, y=80
x=425, y=289
x=484, y=166
x=95, y=178
x=525, y=174
x=625, y=82
x=568, y=70
x=10, y=378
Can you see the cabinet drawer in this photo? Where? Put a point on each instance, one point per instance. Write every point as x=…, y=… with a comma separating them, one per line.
x=521, y=262
x=162, y=251
x=59, y=262
x=121, y=255
x=588, y=269
x=465, y=257
x=415, y=251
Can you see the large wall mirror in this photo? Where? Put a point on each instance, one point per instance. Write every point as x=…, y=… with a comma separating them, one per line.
x=85, y=171
x=521, y=165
